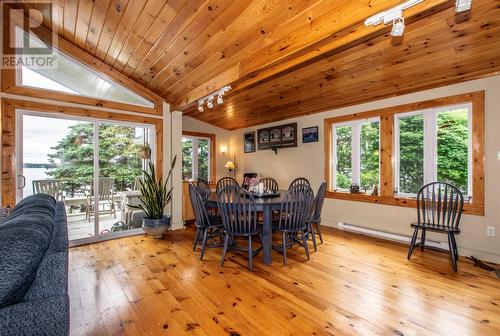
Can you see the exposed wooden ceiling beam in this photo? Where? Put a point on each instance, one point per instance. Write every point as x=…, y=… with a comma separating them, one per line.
x=334, y=32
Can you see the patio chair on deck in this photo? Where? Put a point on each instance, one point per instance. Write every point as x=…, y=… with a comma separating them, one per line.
x=53, y=188
x=106, y=197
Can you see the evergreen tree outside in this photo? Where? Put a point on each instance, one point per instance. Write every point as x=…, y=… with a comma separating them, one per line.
x=370, y=162
x=344, y=154
x=188, y=156
x=73, y=156
x=411, y=153
x=452, y=152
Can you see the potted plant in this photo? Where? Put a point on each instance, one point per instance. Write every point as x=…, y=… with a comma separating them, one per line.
x=145, y=152
x=155, y=196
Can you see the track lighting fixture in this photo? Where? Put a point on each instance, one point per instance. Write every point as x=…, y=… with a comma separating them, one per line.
x=210, y=102
x=398, y=27
x=394, y=16
x=210, y=98
x=462, y=5
x=200, y=105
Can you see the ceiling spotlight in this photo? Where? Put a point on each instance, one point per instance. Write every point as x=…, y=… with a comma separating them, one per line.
x=219, y=98
x=210, y=102
x=398, y=27
x=394, y=15
x=200, y=105
x=462, y=5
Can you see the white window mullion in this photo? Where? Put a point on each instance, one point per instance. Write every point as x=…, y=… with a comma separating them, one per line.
x=469, y=153
x=97, y=174
x=430, y=147
x=333, y=168
x=195, y=159
x=356, y=152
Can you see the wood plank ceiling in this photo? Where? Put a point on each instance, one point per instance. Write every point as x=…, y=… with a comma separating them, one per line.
x=283, y=58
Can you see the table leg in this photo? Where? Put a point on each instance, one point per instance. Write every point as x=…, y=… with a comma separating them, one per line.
x=267, y=234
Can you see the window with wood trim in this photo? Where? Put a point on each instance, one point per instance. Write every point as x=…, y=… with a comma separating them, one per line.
x=78, y=77
x=198, y=156
x=435, y=140
x=433, y=145
x=356, y=154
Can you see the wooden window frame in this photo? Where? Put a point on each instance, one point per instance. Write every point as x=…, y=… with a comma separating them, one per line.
x=387, y=154
x=213, y=152
x=9, y=76
x=8, y=122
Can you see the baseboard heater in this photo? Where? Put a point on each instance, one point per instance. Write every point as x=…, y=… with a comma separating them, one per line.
x=390, y=236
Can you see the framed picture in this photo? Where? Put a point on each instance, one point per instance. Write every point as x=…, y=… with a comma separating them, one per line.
x=310, y=134
x=263, y=138
x=288, y=133
x=275, y=135
x=249, y=142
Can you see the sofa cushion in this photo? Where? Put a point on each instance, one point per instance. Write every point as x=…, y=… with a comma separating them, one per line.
x=43, y=227
x=42, y=202
x=38, y=318
x=22, y=248
x=59, y=241
x=51, y=277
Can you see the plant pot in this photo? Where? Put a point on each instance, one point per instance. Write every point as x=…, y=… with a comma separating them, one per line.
x=156, y=227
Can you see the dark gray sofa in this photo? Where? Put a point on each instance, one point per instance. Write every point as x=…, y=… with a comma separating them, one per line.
x=34, y=269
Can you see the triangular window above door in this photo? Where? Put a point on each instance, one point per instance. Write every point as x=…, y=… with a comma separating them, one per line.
x=73, y=77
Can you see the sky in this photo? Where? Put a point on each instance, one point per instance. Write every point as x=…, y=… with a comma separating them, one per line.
x=40, y=134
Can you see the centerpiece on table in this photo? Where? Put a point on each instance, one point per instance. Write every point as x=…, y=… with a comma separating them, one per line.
x=155, y=196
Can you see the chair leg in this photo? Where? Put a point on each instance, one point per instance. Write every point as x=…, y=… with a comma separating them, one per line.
x=452, y=251
x=319, y=232
x=412, y=243
x=304, y=239
x=224, y=250
x=250, y=254
x=203, y=243
x=196, y=238
x=311, y=230
x=455, y=246
x=422, y=240
x=283, y=238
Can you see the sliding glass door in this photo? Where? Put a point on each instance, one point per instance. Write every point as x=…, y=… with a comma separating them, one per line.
x=93, y=166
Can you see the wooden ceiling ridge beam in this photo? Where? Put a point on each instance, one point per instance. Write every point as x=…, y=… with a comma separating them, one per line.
x=343, y=39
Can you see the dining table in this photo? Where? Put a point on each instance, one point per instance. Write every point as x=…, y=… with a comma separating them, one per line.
x=266, y=205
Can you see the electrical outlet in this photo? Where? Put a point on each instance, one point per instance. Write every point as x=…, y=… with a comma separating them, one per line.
x=490, y=231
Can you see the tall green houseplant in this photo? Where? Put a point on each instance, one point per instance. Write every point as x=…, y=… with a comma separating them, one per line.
x=155, y=192
x=155, y=196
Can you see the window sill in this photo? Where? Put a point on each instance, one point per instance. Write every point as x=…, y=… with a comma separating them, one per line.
x=469, y=209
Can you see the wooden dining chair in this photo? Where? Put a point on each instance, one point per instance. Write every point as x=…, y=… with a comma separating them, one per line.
x=203, y=188
x=315, y=218
x=270, y=184
x=207, y=227
x=224, y=182
x=299, y=181
x=205, y=191
x=439, y=209
x=294, y=211
x=239, y=216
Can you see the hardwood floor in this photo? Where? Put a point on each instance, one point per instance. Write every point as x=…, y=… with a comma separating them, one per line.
x=353, y=285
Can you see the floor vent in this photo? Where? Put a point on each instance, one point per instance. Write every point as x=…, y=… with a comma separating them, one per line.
x=389, y=235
